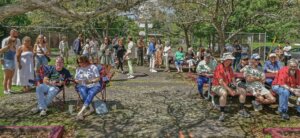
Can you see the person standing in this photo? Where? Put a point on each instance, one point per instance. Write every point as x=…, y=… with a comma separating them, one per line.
x=12, y=34
x=41, y=51
x=140, y=51
x=94, y=47
x=106, y=51
x=286, y=52
x=120, y=50
x=158, y=53
x=151, y=53
x=77, y=45
x=25, y=63
x=129, y=56
x=87, y=48
x=237, y=52
x=9, y=52
x=64, y=48
x=166, y=54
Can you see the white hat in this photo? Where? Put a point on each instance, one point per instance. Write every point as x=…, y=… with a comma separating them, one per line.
x=255, y=56
x=227, y=55
x=272, y=55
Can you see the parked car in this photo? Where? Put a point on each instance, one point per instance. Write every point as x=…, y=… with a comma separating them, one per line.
x=295, y=52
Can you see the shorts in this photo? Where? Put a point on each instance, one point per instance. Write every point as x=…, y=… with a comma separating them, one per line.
x=8, y=64
x=253, y=90
x=218, y=89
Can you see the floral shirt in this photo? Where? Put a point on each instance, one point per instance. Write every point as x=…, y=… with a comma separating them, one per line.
x=255, y=72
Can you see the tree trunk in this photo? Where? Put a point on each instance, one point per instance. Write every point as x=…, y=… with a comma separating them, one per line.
x=187, y=41
x=221, y=42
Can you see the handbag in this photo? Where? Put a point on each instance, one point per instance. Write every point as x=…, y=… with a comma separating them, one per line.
x=100, y=107
x=48, y=58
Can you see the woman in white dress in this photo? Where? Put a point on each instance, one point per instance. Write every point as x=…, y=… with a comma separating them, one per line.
x=25, y=60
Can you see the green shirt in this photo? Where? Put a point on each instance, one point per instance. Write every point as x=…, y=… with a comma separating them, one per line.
x=179, y=55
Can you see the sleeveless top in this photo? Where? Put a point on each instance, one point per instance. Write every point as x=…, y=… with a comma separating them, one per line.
x=39, y=50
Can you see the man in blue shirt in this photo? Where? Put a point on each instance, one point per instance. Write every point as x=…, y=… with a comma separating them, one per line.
x=152, y=51
x=272, y=66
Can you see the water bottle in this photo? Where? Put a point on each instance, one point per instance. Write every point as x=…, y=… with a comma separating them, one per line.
x=100, y=107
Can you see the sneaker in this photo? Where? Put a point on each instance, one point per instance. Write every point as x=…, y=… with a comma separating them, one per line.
x=43, y=113
x=153, y=70
x=6, y=92
x=35, y=110
x=285, y=116
x=222, y=117
x=244, y=113
x=128, y=74
x=256, y=106
x=130, y=77
x=10, y=91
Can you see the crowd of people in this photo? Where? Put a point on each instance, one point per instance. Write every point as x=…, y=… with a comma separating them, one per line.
x=223, y=82
x=21, y=62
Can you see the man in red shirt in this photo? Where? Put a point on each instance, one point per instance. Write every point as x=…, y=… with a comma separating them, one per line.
x=224, y=83
x=287, y=81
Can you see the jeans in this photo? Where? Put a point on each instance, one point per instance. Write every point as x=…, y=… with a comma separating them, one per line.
x=178, y=64
x=120, y=64
x=269, y=81
x=130, y=69
x=140, y=57
x=284, y=95
x=152, y=61
x=87, y=94
x=201, y=80
x=40, y=60
x=45, y=95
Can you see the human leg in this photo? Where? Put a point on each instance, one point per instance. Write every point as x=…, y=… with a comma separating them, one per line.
x=201, y=80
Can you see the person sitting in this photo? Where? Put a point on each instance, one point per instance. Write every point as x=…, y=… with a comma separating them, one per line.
x=271, y=66
x=204, y=69
x=287, y=82
x=87, y=78
x=53, y=82
x=244, y=62
x=224, y=83
x=190, y=58
x=179, y=57
x=255, y=79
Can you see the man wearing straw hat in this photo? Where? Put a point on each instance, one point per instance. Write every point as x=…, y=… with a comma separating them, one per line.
x=224, y=84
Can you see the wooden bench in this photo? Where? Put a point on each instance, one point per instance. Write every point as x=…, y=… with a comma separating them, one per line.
x=210, y=94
